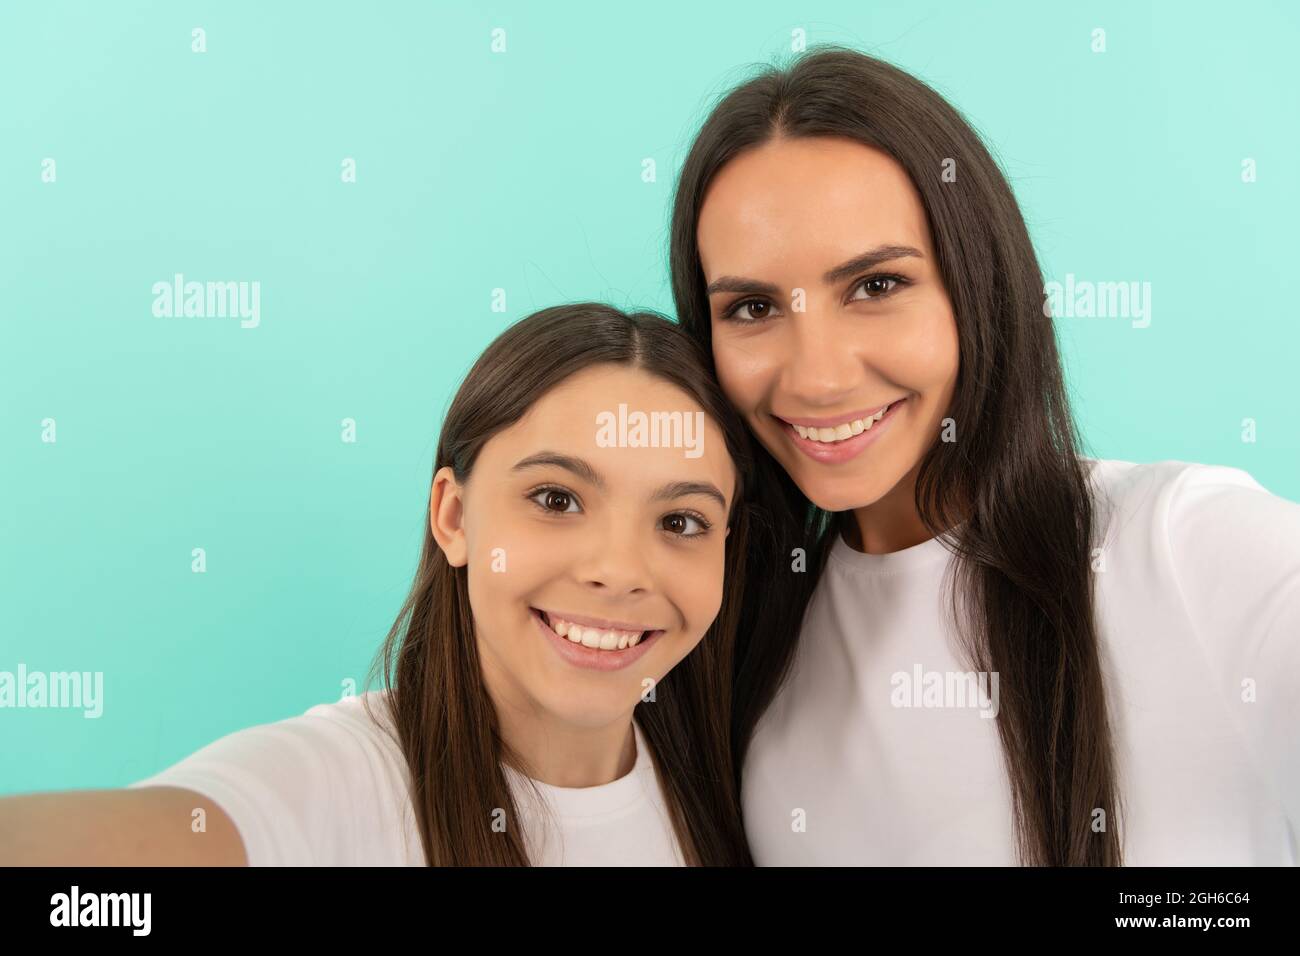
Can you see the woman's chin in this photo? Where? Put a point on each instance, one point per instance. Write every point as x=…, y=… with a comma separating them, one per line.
x=845, y=494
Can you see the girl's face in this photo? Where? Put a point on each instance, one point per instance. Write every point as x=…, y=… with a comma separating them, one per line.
x=832, y=331
x=562, y=527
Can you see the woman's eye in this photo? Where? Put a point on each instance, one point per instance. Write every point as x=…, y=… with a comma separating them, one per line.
x=681, y=524
x=554, y=499
x=876, y=287
x=749, y=310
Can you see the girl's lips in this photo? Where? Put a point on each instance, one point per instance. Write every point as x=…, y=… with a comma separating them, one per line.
x=840, y=451
x=591, y=658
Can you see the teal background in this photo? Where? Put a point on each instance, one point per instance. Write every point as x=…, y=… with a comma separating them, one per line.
x=521, y=171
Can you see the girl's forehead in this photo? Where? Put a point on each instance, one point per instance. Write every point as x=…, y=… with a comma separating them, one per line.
x=630, y=427
x=586, y=394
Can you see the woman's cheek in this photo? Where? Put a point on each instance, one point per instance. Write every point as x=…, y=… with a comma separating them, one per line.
x=923, y=350
x=741, y=371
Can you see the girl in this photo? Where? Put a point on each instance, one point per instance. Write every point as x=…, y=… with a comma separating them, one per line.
x=1113, y=670
x=556, y=686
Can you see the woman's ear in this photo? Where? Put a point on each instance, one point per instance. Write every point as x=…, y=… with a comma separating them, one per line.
x=447, y=517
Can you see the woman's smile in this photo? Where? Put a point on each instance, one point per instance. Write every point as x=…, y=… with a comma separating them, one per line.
x=838, y=438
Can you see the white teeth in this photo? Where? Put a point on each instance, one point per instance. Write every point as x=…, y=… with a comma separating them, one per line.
x=840, y=432
x=605, y=640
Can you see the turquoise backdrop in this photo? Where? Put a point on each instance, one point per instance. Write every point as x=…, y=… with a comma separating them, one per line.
x=522, y=169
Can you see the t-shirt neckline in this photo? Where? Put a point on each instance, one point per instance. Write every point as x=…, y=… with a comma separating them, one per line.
x=573, y=802
x=928, y=552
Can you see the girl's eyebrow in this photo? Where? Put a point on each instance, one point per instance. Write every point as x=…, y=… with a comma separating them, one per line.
x=872, y=257
x=678, y=489
x=577, y=466
x=567, y=462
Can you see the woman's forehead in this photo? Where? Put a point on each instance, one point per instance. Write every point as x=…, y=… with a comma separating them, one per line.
x=820, y=198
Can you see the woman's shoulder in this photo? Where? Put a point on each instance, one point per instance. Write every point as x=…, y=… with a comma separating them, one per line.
x=1231, y=546
x=1207, y=552
x=1120, y=476
x=1172, y=493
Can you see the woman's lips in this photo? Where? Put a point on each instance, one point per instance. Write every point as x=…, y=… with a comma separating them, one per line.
x=839, y=451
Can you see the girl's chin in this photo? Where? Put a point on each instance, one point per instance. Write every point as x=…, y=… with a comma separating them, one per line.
x=594, y=715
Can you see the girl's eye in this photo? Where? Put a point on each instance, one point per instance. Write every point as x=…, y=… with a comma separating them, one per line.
x=877, y=287
x=679, y=523
x=749, y=310
x=556, y=500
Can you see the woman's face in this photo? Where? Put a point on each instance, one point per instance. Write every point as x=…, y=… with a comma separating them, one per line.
x=560, y=526
x=832, y=331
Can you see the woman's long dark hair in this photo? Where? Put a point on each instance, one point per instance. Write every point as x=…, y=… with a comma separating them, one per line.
x=437, y=704
x=1012, y=485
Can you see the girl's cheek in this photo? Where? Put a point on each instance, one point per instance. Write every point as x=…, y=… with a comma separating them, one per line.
x=698, y=580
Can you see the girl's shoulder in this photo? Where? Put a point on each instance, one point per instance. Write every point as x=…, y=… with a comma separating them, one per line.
x=301, y=789
x=364, y=717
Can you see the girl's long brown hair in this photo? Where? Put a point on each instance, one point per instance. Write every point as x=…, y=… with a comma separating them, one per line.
x=1023, y=585
x=443, y=718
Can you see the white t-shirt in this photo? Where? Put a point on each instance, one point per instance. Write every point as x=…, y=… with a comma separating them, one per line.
x=330, y=788
x=1198, y=607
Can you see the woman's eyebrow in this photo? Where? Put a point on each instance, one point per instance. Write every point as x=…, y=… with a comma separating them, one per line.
x=741, y=284
x=872, y=257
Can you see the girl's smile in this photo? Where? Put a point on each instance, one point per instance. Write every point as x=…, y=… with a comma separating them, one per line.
x=593, y=642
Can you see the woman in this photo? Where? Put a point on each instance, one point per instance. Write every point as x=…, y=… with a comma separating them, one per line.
x=557, y=683
x=1007, y=652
